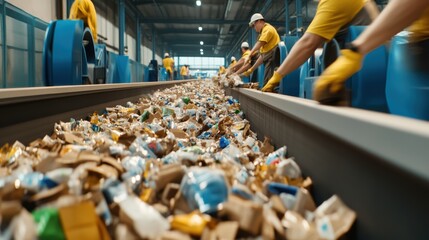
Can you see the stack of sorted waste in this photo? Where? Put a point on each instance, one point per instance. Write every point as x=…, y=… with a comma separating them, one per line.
x=182, y=163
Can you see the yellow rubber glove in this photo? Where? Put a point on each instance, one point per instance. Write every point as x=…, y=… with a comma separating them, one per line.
x=248, y=72
x=329, y=88
x=85, y=10
x=273, y=82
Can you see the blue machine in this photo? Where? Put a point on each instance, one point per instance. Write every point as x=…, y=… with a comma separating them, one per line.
x=70, y=57
x=368, y=86
x=407, y=86
x=290, y=84
x=64, y=57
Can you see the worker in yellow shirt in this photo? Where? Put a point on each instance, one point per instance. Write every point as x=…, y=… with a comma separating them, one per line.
x=184, y=72
x=332, y=19
x=268, y=40
x=168, y=64
x=233, y=62
x=222, y=70
x=85, y=10
x=241, y=66
x=394, y=18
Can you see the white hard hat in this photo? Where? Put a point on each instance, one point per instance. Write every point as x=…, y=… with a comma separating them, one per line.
x=254, y=18
x=245, y=45
x=232, y=58
x=166, y=55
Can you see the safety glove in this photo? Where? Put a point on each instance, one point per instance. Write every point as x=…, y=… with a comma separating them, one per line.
x=273, y=82
x=329, y=88
x=248, y=72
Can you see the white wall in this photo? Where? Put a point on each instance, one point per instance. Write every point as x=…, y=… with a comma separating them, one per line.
x=107, y=24
x=43, y=9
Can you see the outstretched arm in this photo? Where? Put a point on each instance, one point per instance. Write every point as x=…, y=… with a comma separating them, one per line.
x=300, y=52
x=394, y=18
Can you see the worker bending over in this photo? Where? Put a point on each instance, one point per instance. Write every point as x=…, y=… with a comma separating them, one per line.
x=332, y=19
x=395, y=17
x=267, y=46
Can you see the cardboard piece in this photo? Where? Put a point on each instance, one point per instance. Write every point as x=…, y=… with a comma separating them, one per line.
x=247, y=213
x=178, y=133
x=224, y=230
x=71, y=138
x=172, y=173
x=80, y=221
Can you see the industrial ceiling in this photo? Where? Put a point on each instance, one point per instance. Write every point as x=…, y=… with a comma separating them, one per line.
x=223, y=23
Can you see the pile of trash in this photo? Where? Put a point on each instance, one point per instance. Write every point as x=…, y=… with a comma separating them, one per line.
x=182, y=163
x=233, y=80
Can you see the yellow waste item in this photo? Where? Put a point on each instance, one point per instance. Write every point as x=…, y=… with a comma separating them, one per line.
x=192, y=223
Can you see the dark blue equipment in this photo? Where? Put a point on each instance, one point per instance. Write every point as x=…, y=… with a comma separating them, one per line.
x=407, y=86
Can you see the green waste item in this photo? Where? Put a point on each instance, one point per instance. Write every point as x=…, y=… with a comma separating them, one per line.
x=167, y=111
x=186, y=100
x=237, y=111
x=144, y=116
x=48, y=224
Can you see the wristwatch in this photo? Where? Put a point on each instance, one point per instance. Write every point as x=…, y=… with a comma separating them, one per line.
x=352, y=47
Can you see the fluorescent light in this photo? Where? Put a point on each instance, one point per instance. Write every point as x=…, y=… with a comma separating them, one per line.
x=198, y=2
x=201, y=50
x=200, y=28
x=201, y=43
x=202, y=53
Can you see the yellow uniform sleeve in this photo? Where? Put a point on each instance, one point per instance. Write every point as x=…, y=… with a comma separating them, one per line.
x=420, y=28
x=331, y=15
x=245, y=54
x=85, y=10
x=222, y=70
x=270, y=36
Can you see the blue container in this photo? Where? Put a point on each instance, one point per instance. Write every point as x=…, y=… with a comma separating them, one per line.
x=407, y=87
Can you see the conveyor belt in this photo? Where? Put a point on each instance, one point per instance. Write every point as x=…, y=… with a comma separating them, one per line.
x=30, y=113
x=377, y=163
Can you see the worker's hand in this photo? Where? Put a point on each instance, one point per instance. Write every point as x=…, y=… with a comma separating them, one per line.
x=273, y=82
x=228, y=72
x=248, y=72
x=329, y=88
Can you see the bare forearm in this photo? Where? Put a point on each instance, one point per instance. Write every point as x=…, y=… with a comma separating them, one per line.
x=258, y=62
x=394, y=18
x=300, y=52
x=243, y=68
x=256, y=48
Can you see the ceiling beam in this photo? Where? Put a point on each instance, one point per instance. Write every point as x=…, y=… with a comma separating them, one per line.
x=202, y=21
x=188, y=31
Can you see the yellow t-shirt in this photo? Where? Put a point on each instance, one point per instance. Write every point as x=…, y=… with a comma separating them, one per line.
x=245, y=54
x=222, y=70
x=183, y=71
x=232, y=63
x=85, y=10
x=168, y=63
x=331, y=15
x=420, y=28
x=270, y=36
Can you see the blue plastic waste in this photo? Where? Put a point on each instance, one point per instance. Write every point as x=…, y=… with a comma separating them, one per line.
x=223, y=142
x=277, y=188
x=204, y=189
